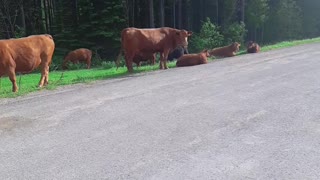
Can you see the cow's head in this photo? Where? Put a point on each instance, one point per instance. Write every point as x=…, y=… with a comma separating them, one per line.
x=236, y=46
x=250, y=43
x=181, y=37
x=206, y=52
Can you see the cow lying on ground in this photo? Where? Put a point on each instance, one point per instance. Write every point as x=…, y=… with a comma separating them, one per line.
x=151, y=57
x=79, y=55
x=253, y=47
x=162, y=40
x=23, y=55
x=226, y=51
x=178, y=52
x=193, y=59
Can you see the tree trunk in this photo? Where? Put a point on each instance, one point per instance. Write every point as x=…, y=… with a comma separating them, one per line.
x=151, y=23
x=23, y=20
x=174, y=13
x=180, y=14
x=161, y=13
x=75, y=13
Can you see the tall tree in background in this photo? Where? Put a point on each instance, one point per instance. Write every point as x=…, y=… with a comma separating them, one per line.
x=285, y=22
x=151, y=14
x=257, y=12
x=161, y=14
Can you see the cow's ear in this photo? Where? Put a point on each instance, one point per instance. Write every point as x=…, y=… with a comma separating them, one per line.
x=189, y=33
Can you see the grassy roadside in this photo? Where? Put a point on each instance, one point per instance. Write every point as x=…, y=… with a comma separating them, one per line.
x=28, y=83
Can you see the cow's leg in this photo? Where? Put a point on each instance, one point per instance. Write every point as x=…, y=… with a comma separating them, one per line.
x=46, y=79
x=88, y=63
x=129, y=58
x=161, y=60
x=153, y=60
x=12, y=77
x=165, y=57
x=44, y=73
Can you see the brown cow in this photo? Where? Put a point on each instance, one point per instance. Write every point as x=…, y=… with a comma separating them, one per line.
x=144, y=57
x=226, y=51
x=79, y=55
x=26, y=54
x=193, y=59
x=253, y=47
x=162, y=40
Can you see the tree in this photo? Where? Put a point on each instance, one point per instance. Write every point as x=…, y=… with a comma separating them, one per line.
x=257, y=12
x=285, y=22
x=151, y=14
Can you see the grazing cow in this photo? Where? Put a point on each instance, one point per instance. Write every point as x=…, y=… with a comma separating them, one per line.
x=253, y=47
x=79, y=55
x=226, y=51
x=162, y=40
x=144, y=57
x=23, y=55
x=193, y=59
x=178, y=52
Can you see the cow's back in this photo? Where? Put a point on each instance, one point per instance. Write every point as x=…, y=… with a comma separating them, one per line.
x=81, y=54
x=151, y=40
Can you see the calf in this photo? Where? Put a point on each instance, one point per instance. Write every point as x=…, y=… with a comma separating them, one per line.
x=178, y=52
x=79, y=55
x=226, y=51
x=193, y=59
x=253, y=47
x=142, y=56
x=23, y=55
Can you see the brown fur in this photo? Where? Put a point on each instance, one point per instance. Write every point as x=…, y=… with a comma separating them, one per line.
x=144, y=57
x=193, y=59
x=162, y=40
x=23, y=55
x=253, y=47
x=226, y=51
x=79, y=55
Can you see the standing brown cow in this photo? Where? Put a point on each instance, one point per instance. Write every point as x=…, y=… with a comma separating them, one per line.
x=26, y=54
x=193, y=59
x=79, y=55
x=162, y=40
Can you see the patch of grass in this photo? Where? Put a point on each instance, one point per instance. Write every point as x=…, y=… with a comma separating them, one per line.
x=285, y=44
x=28, y=83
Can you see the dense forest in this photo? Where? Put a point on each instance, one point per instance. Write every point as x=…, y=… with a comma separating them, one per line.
x=96, y=24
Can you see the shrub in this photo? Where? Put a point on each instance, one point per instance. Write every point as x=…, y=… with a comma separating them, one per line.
x=107, y=64
x=208, y=38
x=235, y=32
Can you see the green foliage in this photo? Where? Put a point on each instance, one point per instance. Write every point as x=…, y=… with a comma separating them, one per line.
x=235, y=32
x=107, y=64
x=285, y=22
x=95, y=25
x=208, y=38
x=257, y=12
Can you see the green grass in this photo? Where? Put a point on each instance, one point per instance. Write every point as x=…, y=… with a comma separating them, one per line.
x=28, y=83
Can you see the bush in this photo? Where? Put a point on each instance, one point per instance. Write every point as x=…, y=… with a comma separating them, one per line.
x=208, y=38
x=235, y=32
x=108, y=64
